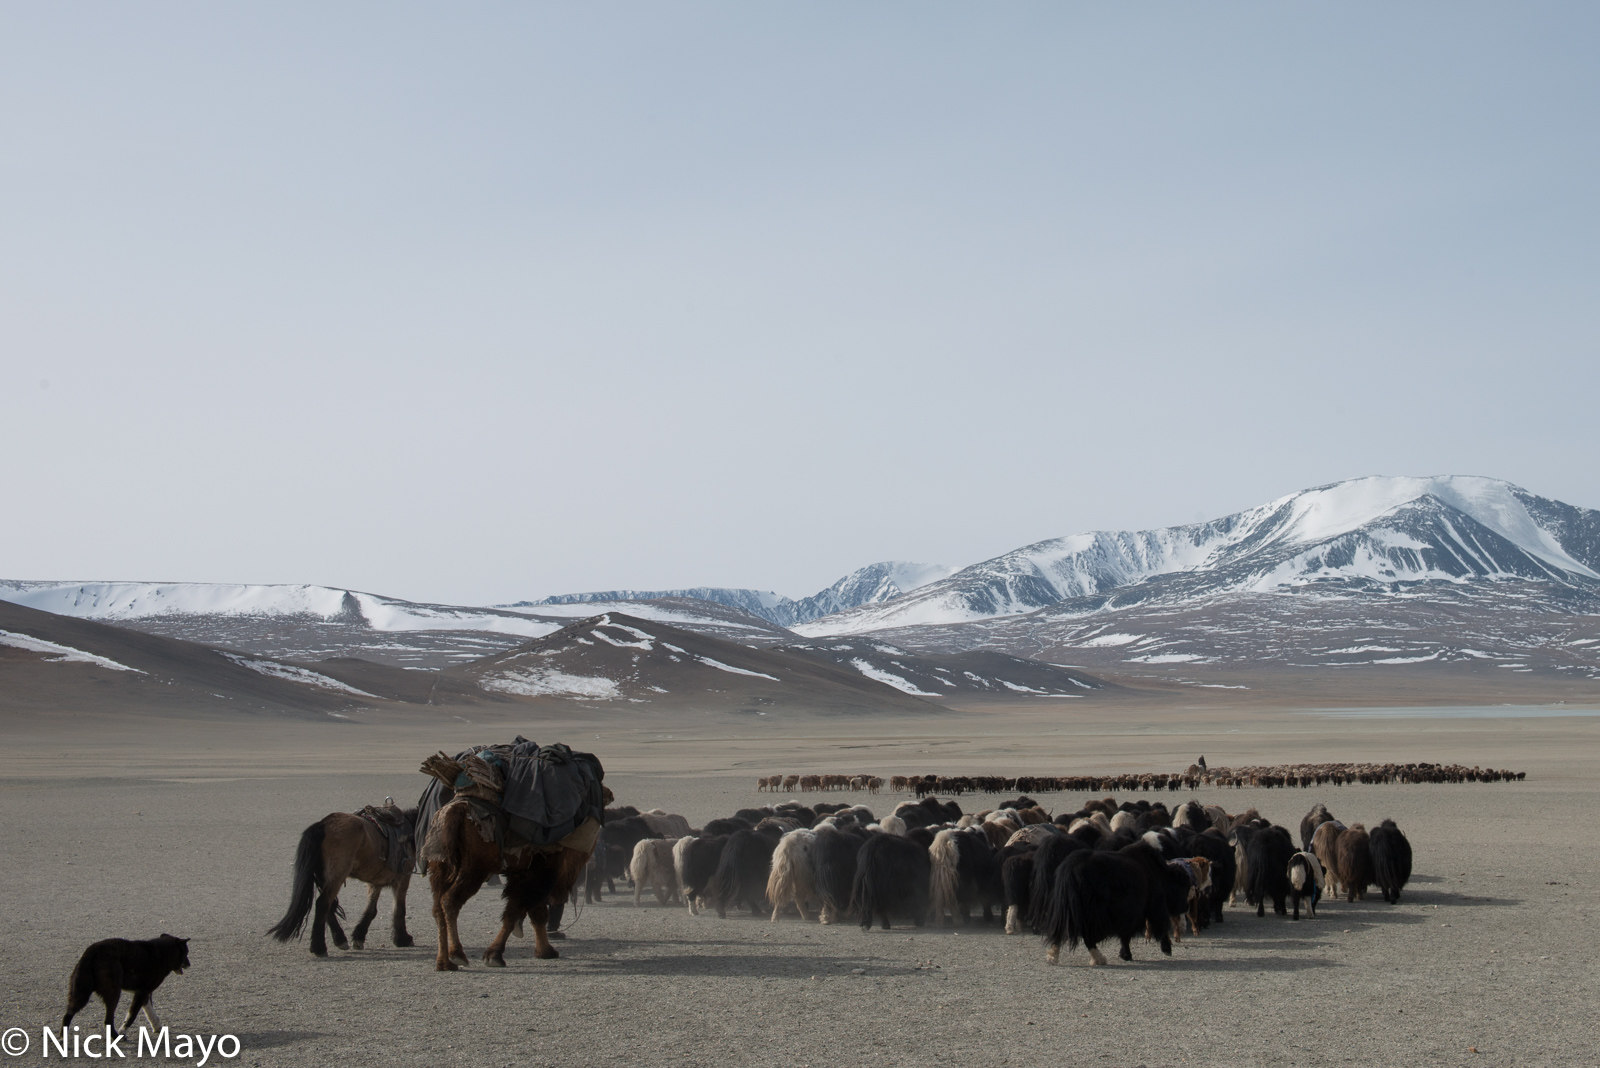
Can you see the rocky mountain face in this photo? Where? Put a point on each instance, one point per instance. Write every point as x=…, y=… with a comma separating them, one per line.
x=868, y=585
x=1375, y=535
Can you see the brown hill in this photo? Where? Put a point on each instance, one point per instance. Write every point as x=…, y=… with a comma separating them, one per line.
x=51, y=662
x=614, y=660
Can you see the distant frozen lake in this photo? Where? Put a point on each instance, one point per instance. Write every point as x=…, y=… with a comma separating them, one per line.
x=1461, y=712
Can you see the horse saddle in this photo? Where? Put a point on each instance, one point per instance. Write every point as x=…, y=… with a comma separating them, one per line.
x=397, y=830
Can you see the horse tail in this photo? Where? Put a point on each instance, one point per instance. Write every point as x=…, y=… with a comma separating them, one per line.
x=307, y=881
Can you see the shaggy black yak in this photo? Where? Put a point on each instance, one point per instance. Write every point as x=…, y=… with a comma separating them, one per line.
x=892, y=875
x=1391, y=860
x=1098, y=895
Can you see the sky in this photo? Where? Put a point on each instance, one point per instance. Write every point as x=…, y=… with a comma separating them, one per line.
x=476, y=303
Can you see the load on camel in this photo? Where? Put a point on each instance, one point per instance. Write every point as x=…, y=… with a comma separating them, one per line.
x=531, y=814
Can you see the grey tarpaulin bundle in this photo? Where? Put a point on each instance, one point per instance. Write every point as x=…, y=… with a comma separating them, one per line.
x=549, y=792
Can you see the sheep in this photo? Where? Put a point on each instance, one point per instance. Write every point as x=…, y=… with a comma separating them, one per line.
x=793, y=877
x=653, y=866
x=1391, y=860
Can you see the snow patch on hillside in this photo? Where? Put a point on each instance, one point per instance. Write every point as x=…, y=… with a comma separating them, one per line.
x=537, y=682
x=290, y=673
x=888, y=678
x=61, y=653
x=720, y=666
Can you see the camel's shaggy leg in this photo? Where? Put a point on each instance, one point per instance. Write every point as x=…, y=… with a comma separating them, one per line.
x=442, y=961
x=510, y=920
x=540, y=914
x=446, y=908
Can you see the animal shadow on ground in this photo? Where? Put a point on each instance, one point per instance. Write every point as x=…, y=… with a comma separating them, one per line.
x=254, y=1040
x=1448, y=898
x=1247, y=964
x=367, y=957
x=736, y=964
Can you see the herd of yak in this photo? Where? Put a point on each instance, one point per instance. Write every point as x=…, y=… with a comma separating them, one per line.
x=1277, y=775
x=1106, y=871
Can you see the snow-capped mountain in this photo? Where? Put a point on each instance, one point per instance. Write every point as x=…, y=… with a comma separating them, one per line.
x=873, y=584
x=124, y=601
x=868, y=585
x=315, y=622
x=1377, y=533
x=763, y=603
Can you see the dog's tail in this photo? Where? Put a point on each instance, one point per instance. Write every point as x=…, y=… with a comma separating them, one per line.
x=80, y=988
x=307, y=881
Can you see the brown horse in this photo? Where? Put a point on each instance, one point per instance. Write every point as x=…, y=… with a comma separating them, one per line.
x=340, y=846
x=459, y=859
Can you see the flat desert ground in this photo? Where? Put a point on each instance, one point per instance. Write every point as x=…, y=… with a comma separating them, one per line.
x=134, y=825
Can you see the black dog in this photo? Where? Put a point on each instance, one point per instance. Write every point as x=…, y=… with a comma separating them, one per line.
x=117, y=964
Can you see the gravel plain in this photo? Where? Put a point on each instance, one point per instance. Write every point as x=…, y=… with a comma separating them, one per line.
x=1488, y=959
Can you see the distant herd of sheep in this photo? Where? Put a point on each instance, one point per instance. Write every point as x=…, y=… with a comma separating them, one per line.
x=1106, y=871
x=1278, y=775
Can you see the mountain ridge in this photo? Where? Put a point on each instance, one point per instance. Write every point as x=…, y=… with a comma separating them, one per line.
x=1379, y=531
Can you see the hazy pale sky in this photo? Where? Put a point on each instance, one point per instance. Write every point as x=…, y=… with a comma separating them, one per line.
x=479, y=302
